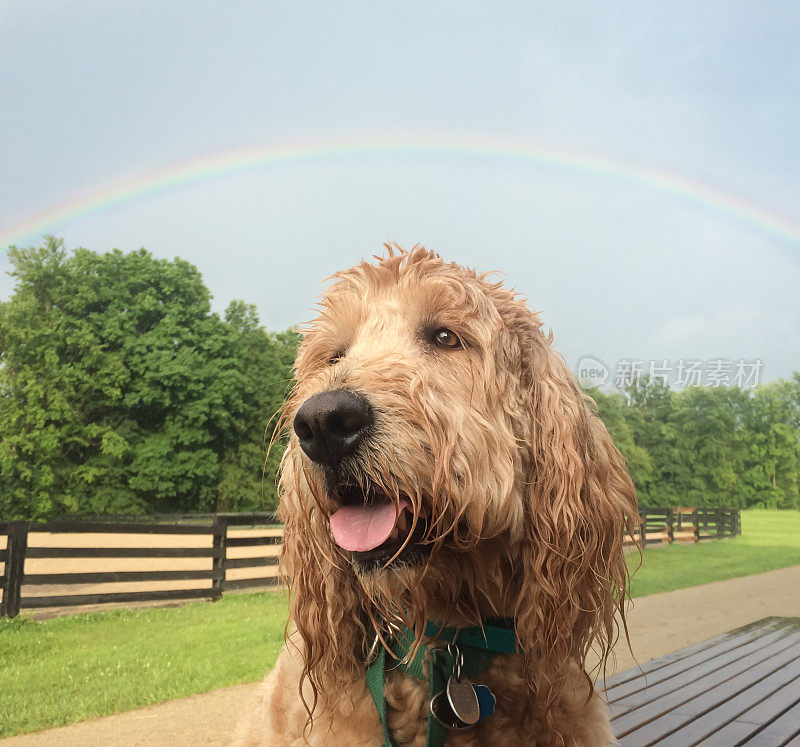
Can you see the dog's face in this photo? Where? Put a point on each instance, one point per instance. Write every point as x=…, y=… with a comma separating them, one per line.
x=443, y=465
x=409, y=416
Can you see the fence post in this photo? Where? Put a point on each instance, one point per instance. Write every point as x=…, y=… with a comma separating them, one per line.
x=695, y=525
x=218, y=564
x=4, y=578
x=670, y=526
x=15, y=568
x=643, y=527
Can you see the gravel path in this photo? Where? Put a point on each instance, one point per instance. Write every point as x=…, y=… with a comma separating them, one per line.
x=658, y=624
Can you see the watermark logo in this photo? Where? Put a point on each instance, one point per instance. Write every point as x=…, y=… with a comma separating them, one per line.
x=682, y=373
x=591, y=372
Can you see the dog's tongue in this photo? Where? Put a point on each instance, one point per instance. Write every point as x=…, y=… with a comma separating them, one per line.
x=362, y=528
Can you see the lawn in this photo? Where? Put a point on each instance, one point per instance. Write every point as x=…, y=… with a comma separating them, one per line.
x=72, y=668
x=68, y=669
x=770, y=539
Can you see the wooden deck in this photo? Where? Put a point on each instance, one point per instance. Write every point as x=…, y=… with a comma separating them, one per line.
x=742, y=687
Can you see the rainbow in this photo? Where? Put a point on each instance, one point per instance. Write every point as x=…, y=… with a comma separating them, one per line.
x=228, y=162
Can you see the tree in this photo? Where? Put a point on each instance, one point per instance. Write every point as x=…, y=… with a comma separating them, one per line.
x=708, y=424
x=264, y=367
x=773, y=464
x=120, y=391
x=710, y=445
x=648, y=414
x=612, y=408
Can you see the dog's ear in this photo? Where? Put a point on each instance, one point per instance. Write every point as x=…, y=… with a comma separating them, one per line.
x=325, y=605
x=579, y=501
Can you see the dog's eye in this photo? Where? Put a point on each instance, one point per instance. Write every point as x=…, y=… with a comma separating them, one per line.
x=445, y=338
x=336, y=357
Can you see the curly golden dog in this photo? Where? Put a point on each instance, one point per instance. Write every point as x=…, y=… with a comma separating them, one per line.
x=443, y=468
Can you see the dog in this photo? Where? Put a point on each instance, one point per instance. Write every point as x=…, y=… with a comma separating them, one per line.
x=444, y=470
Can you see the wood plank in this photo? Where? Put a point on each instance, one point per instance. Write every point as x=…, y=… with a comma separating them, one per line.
x=72, y=600
x=752, y=724
x=736, y=637
x=250, y=562
x=229, y=517
x=649, y=714
x=783, y=730
x=667, y=715
x=679, y=728
x=739, y=646
x=100, y=527
x=675, y=690
x=106, y=577
x=708, y=727
x=124, y=552
x=248, y=583
x=764, y=712
x=253, y=541
x=248, y=520
x=688, y=668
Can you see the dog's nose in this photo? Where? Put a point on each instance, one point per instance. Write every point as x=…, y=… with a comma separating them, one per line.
x=330, y=425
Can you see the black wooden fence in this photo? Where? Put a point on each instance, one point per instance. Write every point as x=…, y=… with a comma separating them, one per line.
x=667, y=525
x=216, y=527
x=656, y=525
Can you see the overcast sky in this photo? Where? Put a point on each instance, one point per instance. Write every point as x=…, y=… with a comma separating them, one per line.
x=95, y=94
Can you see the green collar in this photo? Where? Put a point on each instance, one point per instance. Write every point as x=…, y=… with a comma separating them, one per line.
x=479, y=645
x=497, y=635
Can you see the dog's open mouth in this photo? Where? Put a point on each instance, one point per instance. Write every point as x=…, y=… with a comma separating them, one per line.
x=375, y=528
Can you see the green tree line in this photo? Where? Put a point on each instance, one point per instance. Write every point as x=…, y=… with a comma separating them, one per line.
x=712, y=446
x=121, y=392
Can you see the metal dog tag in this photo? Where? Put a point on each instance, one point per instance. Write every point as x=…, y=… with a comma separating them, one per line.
x=443, y=712
x=486, y=700
x=463, y=700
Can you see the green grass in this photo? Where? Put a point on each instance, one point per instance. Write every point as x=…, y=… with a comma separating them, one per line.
x=770, y=539
x=68, y=669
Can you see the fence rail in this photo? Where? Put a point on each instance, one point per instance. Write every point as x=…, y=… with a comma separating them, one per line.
x=68, y=588
x=19, y=588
